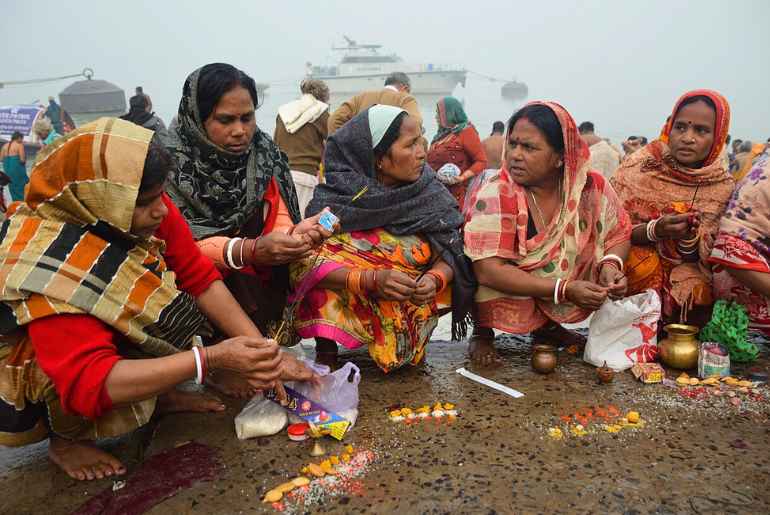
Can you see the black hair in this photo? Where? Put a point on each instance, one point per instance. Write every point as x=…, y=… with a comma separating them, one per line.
x=157, y=165
x=729, y=138
x=545, y=120
x=16, y=135
x=398, y=78
x=586, y=127
x=696, y=98
x=498, y=127
x=390, y=136
x=215, y=80
x=643, y=139
x=139, y=90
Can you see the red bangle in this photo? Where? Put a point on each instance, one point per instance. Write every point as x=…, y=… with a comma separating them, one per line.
x=440, y=279
x=563, y=291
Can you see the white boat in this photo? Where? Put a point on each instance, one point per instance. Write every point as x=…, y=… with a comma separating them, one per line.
x=363, y=67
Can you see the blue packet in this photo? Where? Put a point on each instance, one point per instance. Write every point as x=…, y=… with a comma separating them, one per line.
x=328, y=220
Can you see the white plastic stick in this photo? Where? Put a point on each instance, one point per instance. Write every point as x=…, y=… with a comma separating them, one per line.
x=487, y=382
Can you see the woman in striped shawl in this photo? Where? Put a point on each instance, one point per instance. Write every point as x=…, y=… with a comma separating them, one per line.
x=97, y=265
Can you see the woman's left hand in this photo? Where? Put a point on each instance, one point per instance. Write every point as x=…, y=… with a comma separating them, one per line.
x=425, y=291
x=311, y=231
x=615, y=280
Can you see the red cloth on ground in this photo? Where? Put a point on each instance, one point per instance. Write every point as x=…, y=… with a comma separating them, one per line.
x=78, y=351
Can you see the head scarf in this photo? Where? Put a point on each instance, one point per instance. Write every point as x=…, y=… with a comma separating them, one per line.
x=381, y=126
x=68, y=249
x=721, y=125
x=423, y=207
x=451, y=118
x=218, y=191
x=651, y=182
x=588, y=224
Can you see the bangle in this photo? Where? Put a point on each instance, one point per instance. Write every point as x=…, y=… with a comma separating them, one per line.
x=612, y=258
x=240, y=253
x=198, y=366
x=556, y=291
x=651, y=225
x=229, y=253
x=563, y=292
x=441, y=282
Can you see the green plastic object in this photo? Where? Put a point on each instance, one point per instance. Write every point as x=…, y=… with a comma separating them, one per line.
x=729, y=326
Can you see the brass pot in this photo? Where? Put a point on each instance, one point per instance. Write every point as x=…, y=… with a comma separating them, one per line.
x=544, y=358
x=680, y=349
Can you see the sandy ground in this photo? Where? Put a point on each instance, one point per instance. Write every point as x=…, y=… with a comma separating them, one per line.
x=690, y=456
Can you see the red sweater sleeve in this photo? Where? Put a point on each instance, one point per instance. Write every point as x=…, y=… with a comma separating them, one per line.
x=77, y=352
x=474, y=149
x=194, y=271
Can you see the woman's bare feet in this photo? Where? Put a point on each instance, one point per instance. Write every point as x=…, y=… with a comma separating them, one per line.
x=177, y=402
x=230, y=383
x=82, y=460
x=481, y=347
x=556, y=335
x=326, y=353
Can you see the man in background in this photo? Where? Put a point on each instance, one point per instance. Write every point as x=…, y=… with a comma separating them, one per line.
x=140, y=92
x=493, y=145
x=395, y=93
x=604, y=158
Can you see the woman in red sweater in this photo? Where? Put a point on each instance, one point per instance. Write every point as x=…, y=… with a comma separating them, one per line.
x=457, y=142
x=97, y=265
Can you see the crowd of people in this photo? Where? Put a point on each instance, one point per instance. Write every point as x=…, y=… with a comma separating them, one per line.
x=138, y=257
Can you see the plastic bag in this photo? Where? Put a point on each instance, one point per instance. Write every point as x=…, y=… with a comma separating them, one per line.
x=260, y=417
x=624, y=332
x=337, y=392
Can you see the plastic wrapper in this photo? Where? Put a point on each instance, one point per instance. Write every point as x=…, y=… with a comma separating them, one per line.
x=337, y=392
x=713, y=360
x=448, y=173
x=260, y=417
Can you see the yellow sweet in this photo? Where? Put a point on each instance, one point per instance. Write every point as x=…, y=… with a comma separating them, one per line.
x=316, y=470
x=300, y=481
x=305, y=470
x=438, y=407
x=711, y=381
x=346, y=457
x=349, y=449
x=423, y=409
x=726, y=379
x=745, y=384
x=555, y=433
x=732, y=381
x=683, y=375
x=633, y=417
x=285, y=487
x=612, y=428
x=273, y=496
x=335, y=460
x=449, y=406
x=326, y=465
x=694, y=381
x=406, y=412
x=682, y=380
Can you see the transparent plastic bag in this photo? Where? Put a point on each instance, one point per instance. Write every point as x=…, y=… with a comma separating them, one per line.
x=260, y=417
x=337, y=392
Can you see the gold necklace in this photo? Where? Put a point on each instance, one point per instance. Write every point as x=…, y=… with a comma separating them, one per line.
x=537, y=206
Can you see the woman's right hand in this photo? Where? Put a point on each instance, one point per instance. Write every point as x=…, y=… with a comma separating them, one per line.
x=277, y=248
x=394, y=285
x=676, y=227
x=586, y=294
x=258, y=360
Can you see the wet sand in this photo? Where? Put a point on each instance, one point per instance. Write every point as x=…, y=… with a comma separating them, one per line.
x=495, y=458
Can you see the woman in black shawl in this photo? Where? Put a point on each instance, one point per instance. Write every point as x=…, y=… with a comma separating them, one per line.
x=234, y=188
x=382, y=281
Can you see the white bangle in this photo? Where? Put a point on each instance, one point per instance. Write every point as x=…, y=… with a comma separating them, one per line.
x=556, y=291
x=651, y=230
x=229, y=253
x=613, y=257
x=198, y=366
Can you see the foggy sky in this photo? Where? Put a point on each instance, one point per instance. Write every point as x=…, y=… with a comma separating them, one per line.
x=620, y=64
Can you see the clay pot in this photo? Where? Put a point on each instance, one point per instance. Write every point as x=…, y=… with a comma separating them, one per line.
x=605, y=374
x=544, y=358
x=680, y=349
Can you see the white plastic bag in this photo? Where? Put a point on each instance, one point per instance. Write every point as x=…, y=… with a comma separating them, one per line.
x=624, y=332
x=260, y=417
x=337, y=392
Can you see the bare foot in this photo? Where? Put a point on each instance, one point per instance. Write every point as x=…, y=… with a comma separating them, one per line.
x=230, y=383
x=556, y=335
x=83, y=461
x=176, y=402
x=482, y=351
x=326, y=353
